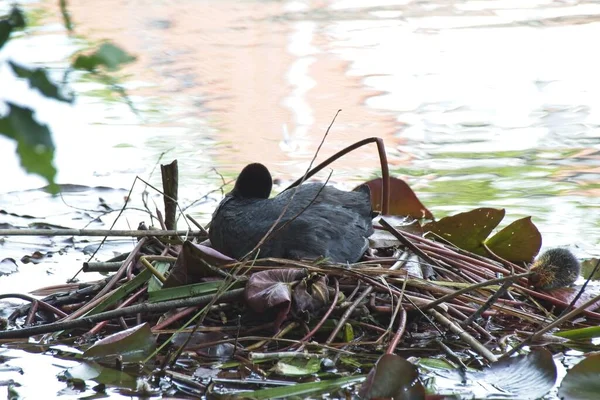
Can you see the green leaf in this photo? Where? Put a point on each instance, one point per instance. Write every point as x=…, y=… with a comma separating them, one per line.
x=5, y=29
x=467, y=230
x=132, y=345
x=38, y=79
x=154, y=283
x=122, y=291
x=180, y=292
x=34, y=142
x=108, y=55
x=586, y=333
x=17, y=19
x=587, y=267
x=518, y=242
x=302, y=388
x=298, y=366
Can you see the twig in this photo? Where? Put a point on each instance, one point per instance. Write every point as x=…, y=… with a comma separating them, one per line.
x=384, y=167
x=500, y=292
x=468, y=289
x=348, y=313
x=556, y=323
x=407, y=242
x=399, y=333
x=33, y=300
x=143, y=308
x=466, y=337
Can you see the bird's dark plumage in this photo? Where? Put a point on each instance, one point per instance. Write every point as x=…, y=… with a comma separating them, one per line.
x=334, y=224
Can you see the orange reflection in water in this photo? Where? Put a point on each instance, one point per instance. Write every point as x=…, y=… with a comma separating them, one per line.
x=267, y=85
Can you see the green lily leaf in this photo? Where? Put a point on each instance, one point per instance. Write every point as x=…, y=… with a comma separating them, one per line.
x=518, y=242
x=133, y=344
x=467, y=230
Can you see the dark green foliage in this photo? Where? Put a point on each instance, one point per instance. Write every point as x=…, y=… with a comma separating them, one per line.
x=108, y=55
x=38, y=79
x=34, y=142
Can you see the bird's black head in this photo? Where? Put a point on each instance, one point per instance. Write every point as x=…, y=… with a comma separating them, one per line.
x=253, y=182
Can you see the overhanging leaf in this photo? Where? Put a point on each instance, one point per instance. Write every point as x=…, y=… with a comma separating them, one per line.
x=5, y=29
x=108, y=55
x=395, y=377
x=518, y=242
x=38, y=79
x=467, y=230
x=34, y=142
x=403, y=201
x=581, y=381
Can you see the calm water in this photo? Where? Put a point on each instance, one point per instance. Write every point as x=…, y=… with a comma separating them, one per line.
x=480, y=103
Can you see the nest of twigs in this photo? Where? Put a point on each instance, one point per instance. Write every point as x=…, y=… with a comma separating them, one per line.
x=403, y=298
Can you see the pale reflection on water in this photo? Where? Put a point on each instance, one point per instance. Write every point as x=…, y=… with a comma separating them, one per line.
x=481, y=103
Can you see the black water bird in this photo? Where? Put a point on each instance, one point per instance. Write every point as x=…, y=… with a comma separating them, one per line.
x=320, y=221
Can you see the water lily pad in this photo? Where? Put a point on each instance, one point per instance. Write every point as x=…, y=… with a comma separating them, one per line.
x=395, y=377
x=133, y=344
x=403, y=201
x=100, y=374
x=518, y=242
x=468, y=230
x=528, y=376
x=581, y=381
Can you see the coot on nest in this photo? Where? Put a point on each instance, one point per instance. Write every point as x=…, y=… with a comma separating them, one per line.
x=320, y=221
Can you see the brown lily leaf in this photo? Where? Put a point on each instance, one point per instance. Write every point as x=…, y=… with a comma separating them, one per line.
x=403, y=201
x=468, y=230
x=311, y=294
x=271, y=291
x=568, y=294
x=393, y=377
x=194, y=264
x=518, y=242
